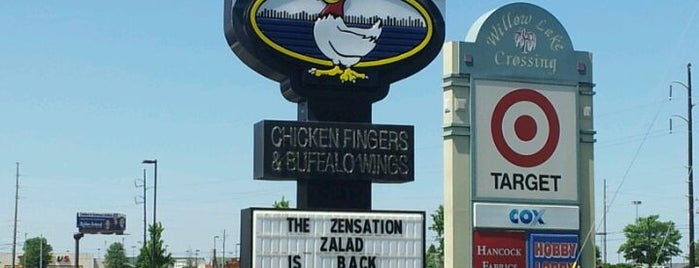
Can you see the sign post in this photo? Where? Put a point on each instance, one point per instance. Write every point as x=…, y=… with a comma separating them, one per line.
x=518, y=137
x=77, y=237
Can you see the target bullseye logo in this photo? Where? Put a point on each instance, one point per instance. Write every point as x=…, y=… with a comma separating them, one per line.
x=525, y=128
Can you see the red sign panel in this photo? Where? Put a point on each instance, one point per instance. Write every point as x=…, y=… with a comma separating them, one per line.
x=499, y=249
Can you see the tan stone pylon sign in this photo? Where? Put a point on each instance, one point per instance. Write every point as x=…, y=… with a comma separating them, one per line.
x=518, y=144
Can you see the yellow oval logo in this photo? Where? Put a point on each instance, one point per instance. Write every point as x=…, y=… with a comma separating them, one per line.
x=347, y=33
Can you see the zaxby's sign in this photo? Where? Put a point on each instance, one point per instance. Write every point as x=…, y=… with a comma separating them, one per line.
x=297, y=238
x=334, y=48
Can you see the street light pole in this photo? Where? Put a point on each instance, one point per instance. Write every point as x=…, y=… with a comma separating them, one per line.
x=154, y=162
x=196, y=258
x=41, y=251
x=14, y=230
x=223, y=250
x=213, y=261
x=637, y=202
x=690, y=166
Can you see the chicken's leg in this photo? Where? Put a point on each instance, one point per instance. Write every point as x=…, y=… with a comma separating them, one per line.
x=331, y=72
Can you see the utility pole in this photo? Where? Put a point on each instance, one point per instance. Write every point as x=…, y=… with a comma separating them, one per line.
x=41, y=252
x=223, y=251
x=690, y=186
x=604, y=223
x=14, y=231
x=143, y=201
x=690, y=165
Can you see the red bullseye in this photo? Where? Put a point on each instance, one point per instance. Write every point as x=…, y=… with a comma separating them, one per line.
x=525, y=128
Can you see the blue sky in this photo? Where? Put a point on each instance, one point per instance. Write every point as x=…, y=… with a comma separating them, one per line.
x=89, y=89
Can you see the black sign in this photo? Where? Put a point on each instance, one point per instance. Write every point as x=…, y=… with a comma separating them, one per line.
x=102, y=223
x=334, y=49
x=289, y=150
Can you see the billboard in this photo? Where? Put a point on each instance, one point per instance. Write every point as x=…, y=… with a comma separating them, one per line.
x=552, y=250
x=529, y=217
x=273, y=238
x=102, y=223
x=499, y=249
x=527, y=140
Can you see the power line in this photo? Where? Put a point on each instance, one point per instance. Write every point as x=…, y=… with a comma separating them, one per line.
x=655, y=118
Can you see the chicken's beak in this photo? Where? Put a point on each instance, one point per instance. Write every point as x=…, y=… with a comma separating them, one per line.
x=331, y=1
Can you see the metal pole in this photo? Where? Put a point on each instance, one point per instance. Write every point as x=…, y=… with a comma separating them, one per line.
x=690, y=184
x=155, y=188
x=14, y=231
x=24, y=259
x=77, y=237
x=155, y=200
x=213, y=261
x=637, y=202
x=604, y=226
x=648, y=254
x=223, y=250
x=145, y=224
x=41, y=251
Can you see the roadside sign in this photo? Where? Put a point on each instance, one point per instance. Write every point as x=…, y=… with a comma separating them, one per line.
x=274, y=238
x=527, y=140
x=102, y=223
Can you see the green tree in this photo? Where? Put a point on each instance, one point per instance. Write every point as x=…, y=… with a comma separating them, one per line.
x=650, y=241
x=432, y=258
x=155, y=244
x=618, y=265
x=435, y=255
x=116, y=257
x=281, y=204
x=36, y=250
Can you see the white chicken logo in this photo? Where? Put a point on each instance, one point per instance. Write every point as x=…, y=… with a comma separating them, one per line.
x=344, y=46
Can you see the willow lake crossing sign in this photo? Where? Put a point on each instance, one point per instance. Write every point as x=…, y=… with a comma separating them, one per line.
x=518, y=143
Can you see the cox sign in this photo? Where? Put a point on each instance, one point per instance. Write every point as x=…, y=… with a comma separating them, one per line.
x=527, y=216
x=530, y=217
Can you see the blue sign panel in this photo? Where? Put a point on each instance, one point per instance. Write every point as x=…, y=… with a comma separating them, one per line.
x=552, y=250
x=103, y=223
